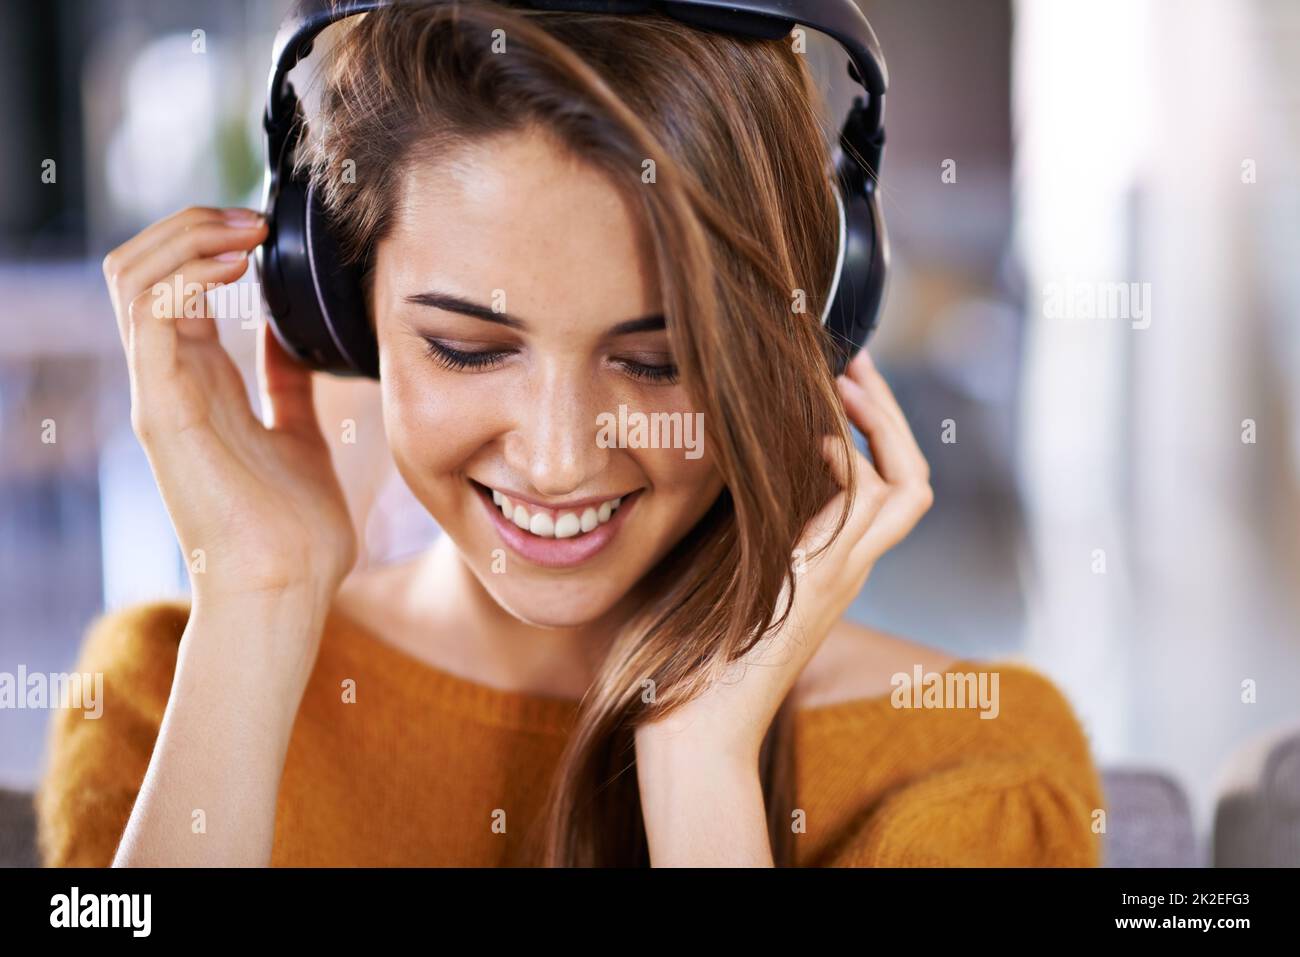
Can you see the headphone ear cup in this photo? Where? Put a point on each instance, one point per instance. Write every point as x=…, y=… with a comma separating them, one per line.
x=855, y=310
x=317, y=310
x=285, y=275
x=878, y=271
x=339, y=297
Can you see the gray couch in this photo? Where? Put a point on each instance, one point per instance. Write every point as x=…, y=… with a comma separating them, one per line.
x=1257, y=818
x=17, y=830
x=1148, y=821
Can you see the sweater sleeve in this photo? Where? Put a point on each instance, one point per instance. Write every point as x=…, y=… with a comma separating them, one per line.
x=95, y=765
x=1024, y=794
x=983, y=814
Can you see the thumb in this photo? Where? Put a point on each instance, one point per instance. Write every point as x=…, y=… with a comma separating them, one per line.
x=286, y=387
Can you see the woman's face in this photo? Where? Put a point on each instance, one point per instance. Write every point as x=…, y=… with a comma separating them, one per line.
x=519, y=319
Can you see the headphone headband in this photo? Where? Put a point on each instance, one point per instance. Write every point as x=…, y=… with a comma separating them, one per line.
x=841, y=20
x=315, y=299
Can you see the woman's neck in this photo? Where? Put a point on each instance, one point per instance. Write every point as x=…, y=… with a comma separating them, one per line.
x=476, y=637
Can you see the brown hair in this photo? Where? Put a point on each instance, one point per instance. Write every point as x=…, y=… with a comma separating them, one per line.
x=742, y=218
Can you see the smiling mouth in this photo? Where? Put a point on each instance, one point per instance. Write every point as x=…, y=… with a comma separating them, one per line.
x=550, y=522
x=556, y=538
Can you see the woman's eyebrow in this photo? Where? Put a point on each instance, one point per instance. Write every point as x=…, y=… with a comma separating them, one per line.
x=451, y=303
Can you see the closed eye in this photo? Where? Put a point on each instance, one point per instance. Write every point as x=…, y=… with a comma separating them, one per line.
x=460, y=360
x=646, y=372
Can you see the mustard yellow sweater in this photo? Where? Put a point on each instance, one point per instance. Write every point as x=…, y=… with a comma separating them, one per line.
x=416, y=770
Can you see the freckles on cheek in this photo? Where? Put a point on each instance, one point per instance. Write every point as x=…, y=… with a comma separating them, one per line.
x=434, y=422
x=672, y=472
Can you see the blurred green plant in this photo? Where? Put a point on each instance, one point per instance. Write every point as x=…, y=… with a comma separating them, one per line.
x=239, y=160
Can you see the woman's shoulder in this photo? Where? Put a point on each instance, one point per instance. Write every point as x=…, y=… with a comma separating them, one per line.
x=161, y=619
x=859, y=667
x=135, y=648
x=96, y=758
x=856, y=662
x=914, y=756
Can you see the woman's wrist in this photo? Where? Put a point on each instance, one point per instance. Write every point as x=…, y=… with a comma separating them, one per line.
x=702, y=806
x=673, y=746
x=296, y=593
x=269, y=639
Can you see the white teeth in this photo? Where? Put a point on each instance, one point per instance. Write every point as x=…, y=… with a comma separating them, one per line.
x=564, y=525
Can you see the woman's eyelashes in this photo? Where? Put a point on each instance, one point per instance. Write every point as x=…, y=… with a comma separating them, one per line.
x=666, y=373
x=460, y=360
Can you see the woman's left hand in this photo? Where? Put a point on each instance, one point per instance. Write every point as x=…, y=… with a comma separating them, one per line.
x=730, y=720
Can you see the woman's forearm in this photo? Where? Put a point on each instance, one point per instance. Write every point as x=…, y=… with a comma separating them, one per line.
x=701, y=808
x=209, y=794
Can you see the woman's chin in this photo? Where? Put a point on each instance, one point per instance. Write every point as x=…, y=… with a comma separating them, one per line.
x=550, y=606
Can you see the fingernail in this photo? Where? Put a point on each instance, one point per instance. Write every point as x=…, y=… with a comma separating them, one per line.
x=233, y=255
x=243, y=217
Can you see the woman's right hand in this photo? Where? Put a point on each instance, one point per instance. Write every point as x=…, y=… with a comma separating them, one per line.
x=257, y=507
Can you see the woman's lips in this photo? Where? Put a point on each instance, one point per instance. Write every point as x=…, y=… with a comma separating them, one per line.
x=557, y=552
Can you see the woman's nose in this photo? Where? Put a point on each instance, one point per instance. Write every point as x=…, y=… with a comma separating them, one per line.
x=555, y=442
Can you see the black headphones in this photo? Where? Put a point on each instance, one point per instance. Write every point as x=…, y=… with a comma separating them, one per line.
x=317, y=312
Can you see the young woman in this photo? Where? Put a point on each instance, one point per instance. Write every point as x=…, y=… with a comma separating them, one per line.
x=616, y=654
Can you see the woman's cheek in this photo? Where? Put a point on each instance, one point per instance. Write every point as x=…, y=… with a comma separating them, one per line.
x=436, y=420
x=684, y=488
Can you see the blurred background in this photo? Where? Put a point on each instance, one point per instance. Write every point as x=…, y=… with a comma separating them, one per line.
x=1117, y=497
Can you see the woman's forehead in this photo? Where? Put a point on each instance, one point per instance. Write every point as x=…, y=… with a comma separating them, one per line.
x=519, y=217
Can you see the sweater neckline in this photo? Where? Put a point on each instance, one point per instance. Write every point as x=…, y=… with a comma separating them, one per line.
x=549, y=714
x=436, y=687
